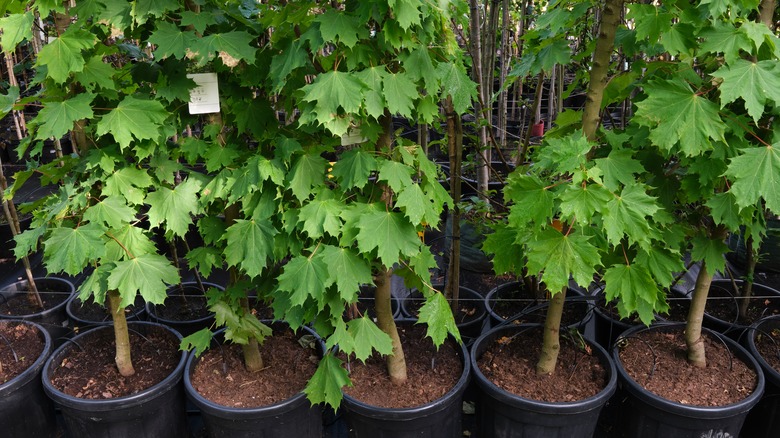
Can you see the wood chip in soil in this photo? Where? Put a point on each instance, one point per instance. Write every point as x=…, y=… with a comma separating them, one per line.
x=90, y=372
x=659, y=363
x=289, y=359
x=510, y=363
x=20, y=347
x=431, y=373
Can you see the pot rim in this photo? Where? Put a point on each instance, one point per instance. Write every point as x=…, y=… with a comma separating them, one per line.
x=33, y=371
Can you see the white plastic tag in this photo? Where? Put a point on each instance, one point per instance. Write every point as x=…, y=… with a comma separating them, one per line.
x=353, y=136
x=204, y=98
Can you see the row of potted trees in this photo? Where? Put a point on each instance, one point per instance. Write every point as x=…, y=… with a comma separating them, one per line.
x=299, y=191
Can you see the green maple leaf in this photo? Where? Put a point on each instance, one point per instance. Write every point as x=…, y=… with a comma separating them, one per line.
x=219, y=156
x=507, y=255
x=552, y=53
x=561, y=257
x=193, y=149
x=398, y=175
x=417, y=205
x=709, y=251
x=236, y=44
x=756, y=174
x=198, y=21
x=199, y=341
x=69, y=250
x=580, y=202
x=7, y=101
x=374, y=98
x=27, y=241
x=678, y=115
x=757, y=32
x=134, y=242
x=419, y=66
x=457, y=83
x=717, y=7
x=679, y=39
x=249, y=245
x=755, y=82
x=133, y=118
x=155, y=8
x=565, y=154
x=291, y=56
x=619, y=167
x=662, y=264
x=333, y=90
x=532, y=199
x=304, y=277
x=627, y=215
x=174, y=207
x=127, y=183
x=339, y=27
x=96, y=72
x=56, y=118
x=96, y=285
x=322, y=216
x=62, y=55
x=346, y=269
x=725, y=38
x=171, y=40
x=650, y=20
x=368, y=337
x=111, y=211
x=204, y=259
x=724, y=209
x=389, y=233
x=147, y=274
x=307, y=172
x=400, y=93
x=437, y=314
x=407, y=13
x=353, y=168
x=326, y=383
x=636, y=289
x=16, y=28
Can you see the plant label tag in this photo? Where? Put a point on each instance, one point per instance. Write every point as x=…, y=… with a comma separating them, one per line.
x=353, y=136
x=204, y=98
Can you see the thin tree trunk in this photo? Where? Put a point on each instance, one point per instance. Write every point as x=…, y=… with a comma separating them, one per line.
x=747, y=288
x=610, y=20
x=455, y=148
x=693, y=340
x=527, y=138
x=123, y=359
x=396, y=363
x=505, y=60
x=551, y=342
x=766, y=13
x=479, y=105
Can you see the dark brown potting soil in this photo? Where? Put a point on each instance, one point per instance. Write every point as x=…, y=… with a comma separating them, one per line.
x=89, y=370
x=183, y=308
x=722, y=305
x=657, y=361
x=510, y=363
x=20, y=305
x=431, y=373
x=94, y=312
x=20, y=347
x=220, y=374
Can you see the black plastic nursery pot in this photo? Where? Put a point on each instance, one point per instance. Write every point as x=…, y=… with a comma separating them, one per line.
x=501, y=414
x=182, y=322
x=530, y=311
x=294, y=417
x=469, y=328
x=763, y=421
x=652, y=416
x=54, y=319
x=158, y=411
x=25, y=411
x=87, y=315
x=723, y=289
x=438, y=419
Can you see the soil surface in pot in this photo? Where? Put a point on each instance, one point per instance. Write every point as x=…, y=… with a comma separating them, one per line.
x=722, y=304
x=431, y=373
x=188, y=307
x=20, y=347
x=92, y=311
x=510, y=363
x=20, y=305
x=220, y=374
x=768, y=344
x=658, y=363
x=90, y=372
